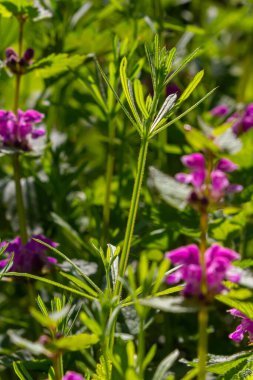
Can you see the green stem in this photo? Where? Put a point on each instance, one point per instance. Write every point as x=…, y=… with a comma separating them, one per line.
x=19, y=199
x=132, y=214
x=58, y=367
x=108, y=181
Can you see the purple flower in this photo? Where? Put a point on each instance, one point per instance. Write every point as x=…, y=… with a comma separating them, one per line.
x=243, y=121
x=218, y=268
x=246, y=327
x=15, y=130
x=205, y=189
x=220, y=110
x=226, y=165
x=28, y=258
x=16, y=64
x=70, y=375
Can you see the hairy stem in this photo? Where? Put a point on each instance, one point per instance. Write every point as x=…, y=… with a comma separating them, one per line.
x=58, y=367
x=132, y=214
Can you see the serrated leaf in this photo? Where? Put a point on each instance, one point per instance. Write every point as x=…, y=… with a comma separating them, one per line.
x=56, y=64
x=245, y=307
x=191, y=87
x=165, y=365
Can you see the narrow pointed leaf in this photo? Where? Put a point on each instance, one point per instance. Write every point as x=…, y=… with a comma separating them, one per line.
x=139, y=97
x=191, y=87
x=170, y=59
x=185, y=61
x=126, y=85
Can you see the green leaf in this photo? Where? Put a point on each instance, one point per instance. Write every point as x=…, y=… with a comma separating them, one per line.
x=92, y=325
x=191, y=87
x=21, y=371
x=56, y=64
x=223, y=364
x=76, y=342
x=126, y=85
x=4, y=11
x=165, y=365
x=139, y=97
x=170, y=57
x=245, y=307
x=116, y=96
x=199, y=141
x=79, y=283
x=185, y=61
x=149, y=357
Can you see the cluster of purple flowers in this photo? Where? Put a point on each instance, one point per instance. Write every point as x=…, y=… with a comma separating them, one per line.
x=218, y=268
x=218, y=185
x=17, y=64
x=241, y=121
x=15, y=130
x=30, y=257
x=245, y=327
x=70, y=375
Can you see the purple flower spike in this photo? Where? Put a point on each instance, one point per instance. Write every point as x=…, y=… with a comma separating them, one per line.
x=28, y=258
x=245, y=328
x=194, y=161
x=220, y=110
x=225, y=165
x=207, y=189
x=71, y=375
x=218, y=268
x=15, y=130
x=242, y=122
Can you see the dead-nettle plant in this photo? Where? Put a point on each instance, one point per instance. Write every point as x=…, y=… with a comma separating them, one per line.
x=149, y=118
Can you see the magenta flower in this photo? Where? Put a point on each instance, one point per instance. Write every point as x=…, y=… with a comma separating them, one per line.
x=242, y=122
x=220, y=110
x=218, y=268
x=218, y=185
x=70, y=375
x=246, y=327
x=28, y=258
x=15, y=130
